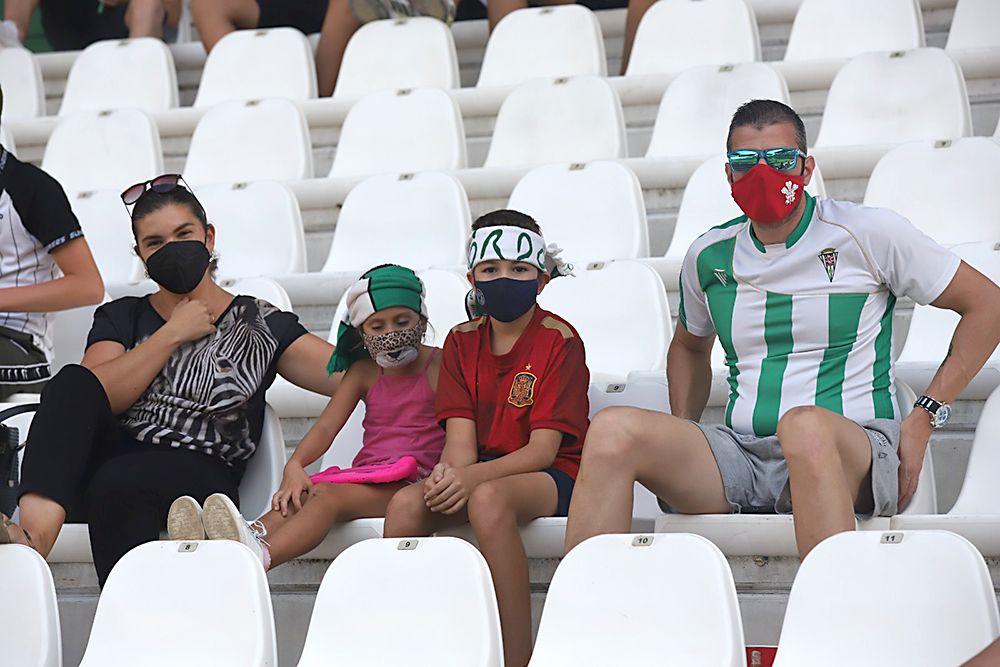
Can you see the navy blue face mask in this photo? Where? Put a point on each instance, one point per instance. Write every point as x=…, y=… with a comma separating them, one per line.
x=506, y=299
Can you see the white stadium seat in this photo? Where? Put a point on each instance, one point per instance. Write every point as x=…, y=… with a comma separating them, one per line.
x=103, y=150
x=974, y=25
x=621, y=312
x=196, y=603
x=676, y=35
x=946, y=188
x=23, y=90
x=417, y=220
x=254, y=64
x=398, y=53
x=401, y=131
x=7, y=141
x=559, y=41
x=108, y=229
x=698, y=105
x=449, y=607
x=899, y=598
x=576, y=119
x=593, y=211
x=976, y=513
x=846, y=28
x=260, y=288
x=890, y=98
x=114, y=74
x=259, y=140
x=29, y=613
x=69, y=337
x=633, y=599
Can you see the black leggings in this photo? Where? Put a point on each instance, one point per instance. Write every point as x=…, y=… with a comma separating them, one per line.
x=79, y=456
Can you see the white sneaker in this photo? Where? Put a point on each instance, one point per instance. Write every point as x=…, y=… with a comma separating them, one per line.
x=10, y=38
x=223, y=521
x=184, y=520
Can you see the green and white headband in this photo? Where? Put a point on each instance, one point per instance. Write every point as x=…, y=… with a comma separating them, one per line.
x=517, y=245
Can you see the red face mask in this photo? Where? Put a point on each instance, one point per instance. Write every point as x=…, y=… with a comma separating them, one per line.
x=767, y=195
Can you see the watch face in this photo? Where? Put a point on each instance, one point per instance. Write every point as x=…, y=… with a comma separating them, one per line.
x=942, y=416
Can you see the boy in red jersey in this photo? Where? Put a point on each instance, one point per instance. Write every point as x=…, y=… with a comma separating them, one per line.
x=512, y=394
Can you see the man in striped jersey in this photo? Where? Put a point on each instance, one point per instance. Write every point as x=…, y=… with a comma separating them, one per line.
x=801, y=293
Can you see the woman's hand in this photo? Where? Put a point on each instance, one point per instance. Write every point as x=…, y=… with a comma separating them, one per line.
x=295, y=484
x=447, y=490
x=190, y=321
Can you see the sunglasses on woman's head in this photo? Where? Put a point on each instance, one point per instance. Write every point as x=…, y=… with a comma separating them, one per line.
x=160, y=184
x=782, y=159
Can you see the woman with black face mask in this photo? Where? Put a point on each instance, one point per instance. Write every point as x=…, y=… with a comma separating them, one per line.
x=169, y=397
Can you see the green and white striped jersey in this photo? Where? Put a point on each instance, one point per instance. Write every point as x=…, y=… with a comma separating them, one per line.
x=809, y=321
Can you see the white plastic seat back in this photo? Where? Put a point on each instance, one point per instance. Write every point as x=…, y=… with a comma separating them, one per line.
x=23, y=90
x=946, y=188
x=888, y=98
x=620, y=311
x=846, y=28
x=900, y=598
x=115, y=74
x=558, y=120
x=393, y=54
x=973, y=26
x=261, y=288
x=258, y=229
x=70, y=329
x=445, y=298
x=348, y=442
x=559, y=41
x=980, y=494
x=401, y=131
x=592, y=211
x=697, y=107
x=254, y=64
x=108, y=230
x=676, y=35
x=104, y=150
x=29, y=614
x=7, y=141
x=623, y=599
x=159, y=596
x=264, y=469
x=259, y=140
x=417, y=220
x=449, y=603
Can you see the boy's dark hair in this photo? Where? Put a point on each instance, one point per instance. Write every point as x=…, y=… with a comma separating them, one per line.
x=506, y=218
x=151, y=201
x=761, y=113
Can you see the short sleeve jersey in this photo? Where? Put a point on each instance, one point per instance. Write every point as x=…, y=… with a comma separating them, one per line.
x=35, y=219
x=541, y=383
x=210, y=395
x=809, y=321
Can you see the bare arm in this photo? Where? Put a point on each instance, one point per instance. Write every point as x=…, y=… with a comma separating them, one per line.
x=80, y=285
x=538, y=454
x=460, y=446
x=689, y=373
x=303, y=364
x=319, y=438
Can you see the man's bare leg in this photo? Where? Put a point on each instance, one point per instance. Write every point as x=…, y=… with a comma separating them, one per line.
x=144, y=18
x=41, y=518
x=338, y=27
x=636, y=10
x=217, y=18
x=989, y=657
x=829, y=464
x=667, y=455
x=20, y=11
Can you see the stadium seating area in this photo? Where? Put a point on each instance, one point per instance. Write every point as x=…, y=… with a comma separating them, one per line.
x=431, y=126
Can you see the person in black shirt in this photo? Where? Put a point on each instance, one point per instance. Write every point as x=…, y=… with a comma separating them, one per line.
x=169, y=399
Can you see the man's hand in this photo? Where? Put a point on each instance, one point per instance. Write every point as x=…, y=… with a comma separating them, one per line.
x=915, y=432
x=451, y=490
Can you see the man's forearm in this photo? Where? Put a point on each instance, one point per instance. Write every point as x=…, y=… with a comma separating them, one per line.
x=59, y=294
x=975, y=339
x=20, y=11
x=689, y=382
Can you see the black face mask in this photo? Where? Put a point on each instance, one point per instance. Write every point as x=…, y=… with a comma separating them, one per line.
x=179, y=266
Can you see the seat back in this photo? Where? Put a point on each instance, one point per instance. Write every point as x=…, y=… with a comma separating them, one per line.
x=255, y=64
x=398, y=53
x=7, y=141
x=621, y=312
x=973, y=25
x=261, y=288
x=900, y=598
x=23, y=89
x=115, y=74
x=103, y=150
x=29, y=614
x=980, y=493
x=889, y=98
x=401, y=131
x=107, y=228
x=577, y=119
x=264, y=469
x=592, y=211
x=846, y=28
x=445, y=300
x=920, y=181
x=348, y=442
x=621, y=599
x=694, y=114
x=676, y=35
x=559, y=41
x=159, y=596
x=259, y=140
x=360, y=598
x=417, y=220
x=70, y=329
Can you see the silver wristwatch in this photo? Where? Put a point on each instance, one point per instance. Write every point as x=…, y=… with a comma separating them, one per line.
x=940, y=412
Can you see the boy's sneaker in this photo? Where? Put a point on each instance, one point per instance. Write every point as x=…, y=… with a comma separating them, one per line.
x=184, y=520
x=223, y=521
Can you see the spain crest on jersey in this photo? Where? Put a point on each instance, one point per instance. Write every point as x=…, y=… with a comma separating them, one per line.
x=829, y=258
x=522, y=390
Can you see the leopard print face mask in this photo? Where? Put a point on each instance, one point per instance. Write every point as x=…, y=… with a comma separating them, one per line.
x=396, y=348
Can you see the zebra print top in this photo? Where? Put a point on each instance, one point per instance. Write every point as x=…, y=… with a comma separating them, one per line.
x=210, y=395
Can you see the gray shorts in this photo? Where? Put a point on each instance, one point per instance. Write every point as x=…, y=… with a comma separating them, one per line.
x=755, y=474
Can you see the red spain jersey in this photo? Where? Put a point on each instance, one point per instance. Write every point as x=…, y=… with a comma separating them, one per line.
x=541, y=383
